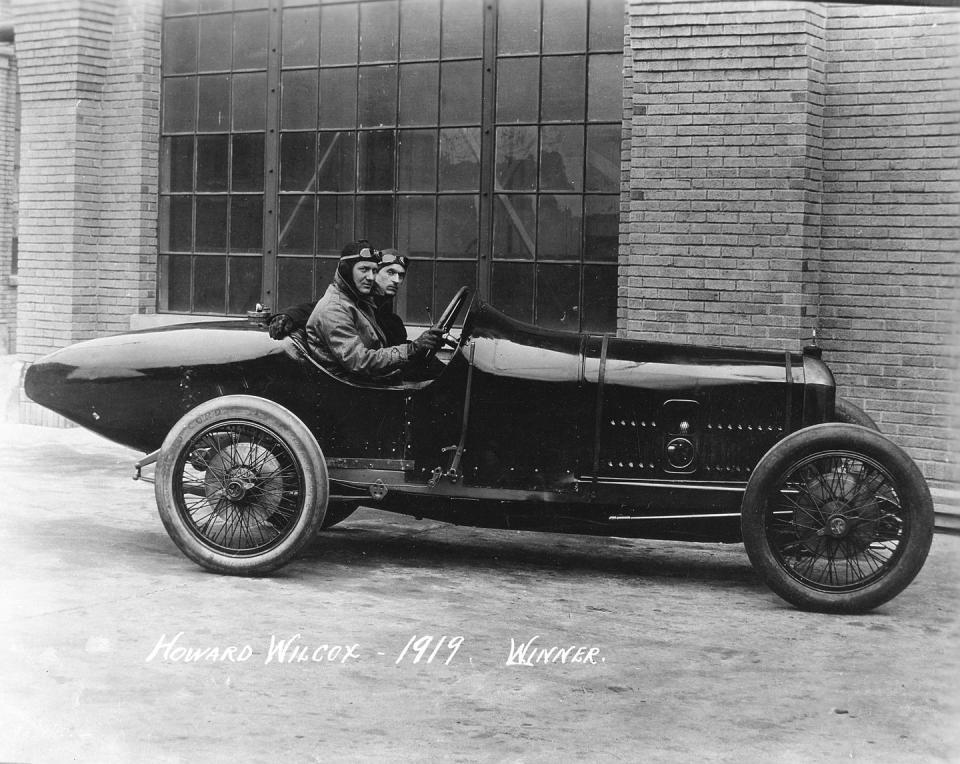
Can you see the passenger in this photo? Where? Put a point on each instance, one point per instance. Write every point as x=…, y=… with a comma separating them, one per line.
x=343, y=332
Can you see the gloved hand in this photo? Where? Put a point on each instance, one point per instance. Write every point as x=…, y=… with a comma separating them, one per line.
x=280, y=326
x=428, y=342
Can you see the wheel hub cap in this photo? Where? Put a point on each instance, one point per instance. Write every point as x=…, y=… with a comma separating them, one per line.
x=837, y=526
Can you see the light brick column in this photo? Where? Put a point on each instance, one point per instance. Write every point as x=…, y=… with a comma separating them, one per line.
x=725, y=172
x=9, y=150
x=89, y=114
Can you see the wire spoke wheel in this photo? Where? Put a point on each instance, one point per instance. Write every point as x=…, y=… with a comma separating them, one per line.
x=836, y=518
x=241, y=488
x=837, y=523
x=241, y=485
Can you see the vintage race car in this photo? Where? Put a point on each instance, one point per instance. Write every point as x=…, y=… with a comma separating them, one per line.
x=257, y=447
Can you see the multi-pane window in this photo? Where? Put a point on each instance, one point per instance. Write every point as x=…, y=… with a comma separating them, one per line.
x=482, y=139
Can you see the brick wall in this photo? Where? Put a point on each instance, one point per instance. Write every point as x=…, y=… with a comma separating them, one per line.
x=725, y=171
x=890, y=226
x=9, y=145
x=794, y=167
x=89, y=117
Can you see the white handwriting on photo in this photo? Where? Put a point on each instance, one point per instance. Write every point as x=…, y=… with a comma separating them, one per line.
x=421, y=650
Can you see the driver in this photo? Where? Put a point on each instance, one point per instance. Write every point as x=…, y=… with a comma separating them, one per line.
x=343, y=332
x=390, y=277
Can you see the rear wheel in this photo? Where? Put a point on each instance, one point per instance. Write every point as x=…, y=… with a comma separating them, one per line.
x=836, y=518
x=241, y=485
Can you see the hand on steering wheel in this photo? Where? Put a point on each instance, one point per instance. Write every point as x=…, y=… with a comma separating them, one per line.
x=447, y=319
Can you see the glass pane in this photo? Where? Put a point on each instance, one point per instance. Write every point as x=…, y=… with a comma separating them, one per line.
x=338, y=34
x=558, y=296
x=176, y=166
x=564, y=26
x=296, y=224
x=179, y=46
x=298, y=100
x=375, y=218
x=518, y=81
x=324, y=270
x=605, y=88
x=462, y=28
x=294, y=281
x=214, y=103
x=460, y=159
x=301, y=37
x=514, y=227
x=416, y=225
x=209, y=284
x=211, y=224
x=418, y=286
x=174, y=286
x=214, y=49
x=417, y=165
x=419, y=29
x=559, y=227
x=213, y=5
x=246, y=223
x=334, y=223
x=376, y=155
x=247, y=168
x=176, y=7
x=599, y=298
x=378, y=96
x=248, y=5
x=561, y=158
x=516, y=158
x=518, y=27
x=378, y=31
x=337, y=168
x=244, y=284
x=461, y=92
x=298, y=161
x=563, y=89
x=602, y=227
x=458, y=226
x=212, y=162
x=418, y=94
x=250, y=40
x=603, y=158
x=179, y=105
x=338, y=98
x=512, y=290
x=176, y=223
x=451, y=276
x=249, y=101
x=606, y=24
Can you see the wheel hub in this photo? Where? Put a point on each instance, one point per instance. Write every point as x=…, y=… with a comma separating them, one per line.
x=837, y=526
x=239, y=482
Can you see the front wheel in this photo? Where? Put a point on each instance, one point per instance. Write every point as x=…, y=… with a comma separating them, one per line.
x=849, y=413
x=836, y=518
x=241, y=485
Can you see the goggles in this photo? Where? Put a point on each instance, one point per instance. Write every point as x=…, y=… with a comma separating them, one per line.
x=394, y=258
x=368, y=253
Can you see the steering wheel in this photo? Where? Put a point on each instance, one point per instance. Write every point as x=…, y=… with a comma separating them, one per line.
x=449, y=316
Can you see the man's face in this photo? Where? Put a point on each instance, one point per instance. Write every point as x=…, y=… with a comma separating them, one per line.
x=389, y=279
x=364, y=276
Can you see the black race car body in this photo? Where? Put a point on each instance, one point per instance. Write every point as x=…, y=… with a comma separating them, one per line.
x=519, y=427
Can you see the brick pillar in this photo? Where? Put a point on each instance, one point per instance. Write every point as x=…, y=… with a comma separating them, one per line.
x=725, y=172
x=9, y=150
x=89, y=116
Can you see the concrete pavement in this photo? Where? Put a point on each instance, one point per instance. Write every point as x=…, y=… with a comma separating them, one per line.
x=115, y=648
